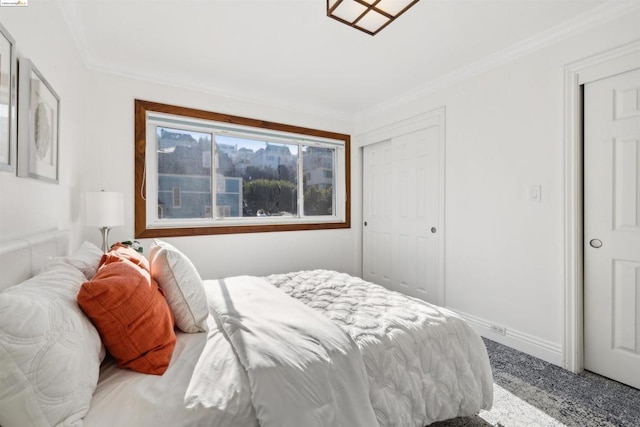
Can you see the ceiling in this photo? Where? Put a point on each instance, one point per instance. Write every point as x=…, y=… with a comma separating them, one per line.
x=289, y=53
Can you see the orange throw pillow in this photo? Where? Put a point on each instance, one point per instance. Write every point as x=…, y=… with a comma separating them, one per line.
x=132, y=316
x=121, y=252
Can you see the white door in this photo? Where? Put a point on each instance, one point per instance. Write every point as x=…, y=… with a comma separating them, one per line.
x=376, y=236
x=612, y=227
x=401, y=246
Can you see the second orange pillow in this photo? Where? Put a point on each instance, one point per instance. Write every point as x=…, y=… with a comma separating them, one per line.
x=121, y=252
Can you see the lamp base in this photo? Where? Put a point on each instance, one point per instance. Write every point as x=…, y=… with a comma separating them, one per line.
x=105, y=238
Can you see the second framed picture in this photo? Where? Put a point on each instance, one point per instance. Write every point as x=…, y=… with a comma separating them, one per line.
x=38, y=125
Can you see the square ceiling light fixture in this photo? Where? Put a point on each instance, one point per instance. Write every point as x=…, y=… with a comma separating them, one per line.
x=370, y=16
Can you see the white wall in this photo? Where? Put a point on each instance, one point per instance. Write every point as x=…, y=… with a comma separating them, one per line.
x=504, y=132
x=109, y=164
x=28, y=206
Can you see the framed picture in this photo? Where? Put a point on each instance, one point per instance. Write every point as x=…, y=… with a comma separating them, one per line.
x=8, y=112
x=38, y=125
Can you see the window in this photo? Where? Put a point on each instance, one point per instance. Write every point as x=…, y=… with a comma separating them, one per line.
x=199, y=172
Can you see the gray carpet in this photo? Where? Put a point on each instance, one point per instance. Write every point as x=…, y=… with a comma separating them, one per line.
x=530, y=392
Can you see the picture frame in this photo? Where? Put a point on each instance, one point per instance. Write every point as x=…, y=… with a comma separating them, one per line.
x=8, y=98
x=38, y=125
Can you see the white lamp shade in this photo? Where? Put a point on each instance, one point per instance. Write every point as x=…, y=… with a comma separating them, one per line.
x=103, y=209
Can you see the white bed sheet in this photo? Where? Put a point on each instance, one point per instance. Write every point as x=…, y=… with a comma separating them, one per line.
x=127, y=398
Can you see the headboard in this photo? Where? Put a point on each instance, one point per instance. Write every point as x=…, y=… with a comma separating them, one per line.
x=24, y=257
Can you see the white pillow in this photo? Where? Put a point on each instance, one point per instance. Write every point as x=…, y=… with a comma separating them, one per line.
x=182, y=286
x=86, y=259
x=50, y=353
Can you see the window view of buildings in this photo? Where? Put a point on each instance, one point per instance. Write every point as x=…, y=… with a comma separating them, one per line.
x=252, y=177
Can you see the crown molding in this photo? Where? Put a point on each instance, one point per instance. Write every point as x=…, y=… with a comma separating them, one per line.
x=77, y=29
x=291, y=106
x=599, y=15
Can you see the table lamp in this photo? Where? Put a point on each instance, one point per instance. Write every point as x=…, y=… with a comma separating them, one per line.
x=104, y=209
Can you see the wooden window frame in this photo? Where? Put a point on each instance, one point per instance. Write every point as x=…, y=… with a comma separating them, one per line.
x=141, y=230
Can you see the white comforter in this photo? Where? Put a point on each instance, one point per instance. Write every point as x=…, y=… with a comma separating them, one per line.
x=423, y=363
x=303, y=369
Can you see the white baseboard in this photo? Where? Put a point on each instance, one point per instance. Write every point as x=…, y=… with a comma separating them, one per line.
x=542, y=349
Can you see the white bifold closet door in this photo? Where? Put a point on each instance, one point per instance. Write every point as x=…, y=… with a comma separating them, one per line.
x=401, y=205
x=612, y=227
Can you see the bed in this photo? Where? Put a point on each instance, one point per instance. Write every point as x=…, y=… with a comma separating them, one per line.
x=306, y=348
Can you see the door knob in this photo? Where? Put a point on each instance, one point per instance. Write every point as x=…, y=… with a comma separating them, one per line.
x=433, y=230
x=365, y=223
x=595, y=243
